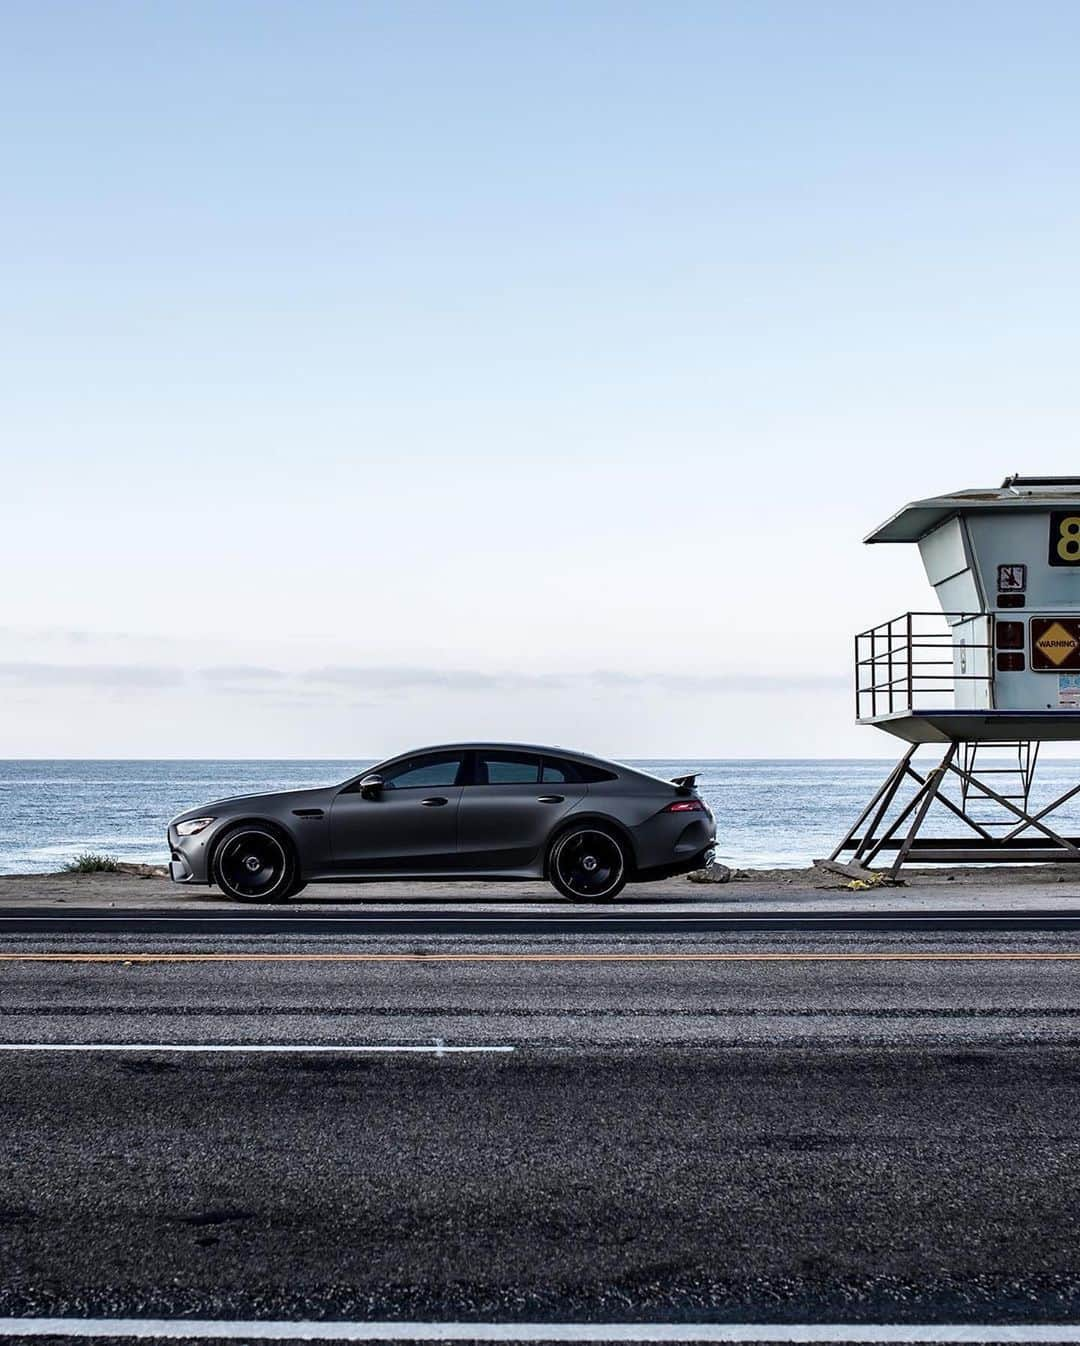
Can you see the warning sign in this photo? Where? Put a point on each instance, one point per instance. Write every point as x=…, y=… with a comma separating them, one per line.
x=1055, y=643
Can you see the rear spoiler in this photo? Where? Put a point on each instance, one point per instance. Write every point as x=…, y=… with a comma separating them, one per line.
x=684, y=784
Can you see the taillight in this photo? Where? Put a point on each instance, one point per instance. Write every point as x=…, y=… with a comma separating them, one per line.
x=685, y=806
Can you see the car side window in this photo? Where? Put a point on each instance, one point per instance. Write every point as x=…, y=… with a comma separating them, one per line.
x=558, y=771
x=507, y=768
x=593, y=775
x=423, y=772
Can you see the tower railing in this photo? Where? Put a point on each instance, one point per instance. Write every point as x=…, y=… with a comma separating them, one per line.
x=917, y=661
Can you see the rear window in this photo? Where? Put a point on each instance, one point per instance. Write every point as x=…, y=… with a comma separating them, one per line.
x=560, y=771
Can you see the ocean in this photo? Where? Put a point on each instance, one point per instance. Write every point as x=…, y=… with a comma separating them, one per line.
x=769, y=813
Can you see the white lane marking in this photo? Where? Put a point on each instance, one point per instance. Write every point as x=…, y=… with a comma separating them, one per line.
x=439, y=1050
x=173, y=1328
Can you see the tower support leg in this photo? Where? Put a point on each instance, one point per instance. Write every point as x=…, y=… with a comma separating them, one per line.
x=886, y=793
x=1029, y=838
x=929, y=793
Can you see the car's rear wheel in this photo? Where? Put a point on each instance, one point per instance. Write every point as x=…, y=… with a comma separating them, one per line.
x=255, y=864
x=588, y=864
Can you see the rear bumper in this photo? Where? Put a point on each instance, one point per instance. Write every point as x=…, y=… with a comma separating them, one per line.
x=667, y=845
x=684, y=866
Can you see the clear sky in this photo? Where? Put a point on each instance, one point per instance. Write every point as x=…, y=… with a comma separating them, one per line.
x=382, y=373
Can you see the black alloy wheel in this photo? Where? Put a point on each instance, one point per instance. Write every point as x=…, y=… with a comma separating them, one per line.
x=254, y=864
x=587, y=865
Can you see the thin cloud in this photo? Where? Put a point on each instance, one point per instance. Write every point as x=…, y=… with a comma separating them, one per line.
x=64, y=634
x=241, y=673
x=135, y=677
x=275, y=695
x=433, y=679
x=392, y=680
x=719, y=682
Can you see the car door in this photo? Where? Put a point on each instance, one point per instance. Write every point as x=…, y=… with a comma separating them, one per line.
x=409, y=826
x=511, y=802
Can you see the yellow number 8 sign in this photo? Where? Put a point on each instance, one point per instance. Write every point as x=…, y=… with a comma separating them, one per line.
x=1064, y=539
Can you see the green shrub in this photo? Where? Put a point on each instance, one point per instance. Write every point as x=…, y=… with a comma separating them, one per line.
x=90, y=862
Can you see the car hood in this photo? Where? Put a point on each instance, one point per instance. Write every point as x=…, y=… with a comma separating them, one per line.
x=234, y=804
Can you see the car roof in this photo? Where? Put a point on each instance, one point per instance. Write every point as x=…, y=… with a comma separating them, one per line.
x=619, y=769
x=543, y=749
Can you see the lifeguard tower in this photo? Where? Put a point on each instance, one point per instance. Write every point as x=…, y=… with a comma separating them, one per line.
x=990, y=677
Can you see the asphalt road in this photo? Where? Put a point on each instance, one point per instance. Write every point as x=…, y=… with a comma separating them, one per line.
x=759, y=1184
x=819, y=1126
x=498, y=921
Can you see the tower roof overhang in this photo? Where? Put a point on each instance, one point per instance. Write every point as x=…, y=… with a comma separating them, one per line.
x=920, y=517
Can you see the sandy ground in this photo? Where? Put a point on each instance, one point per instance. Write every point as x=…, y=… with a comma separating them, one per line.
x=1020, y=887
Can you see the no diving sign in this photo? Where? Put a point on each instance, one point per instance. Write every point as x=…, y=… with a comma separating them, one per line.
x=1055, y=644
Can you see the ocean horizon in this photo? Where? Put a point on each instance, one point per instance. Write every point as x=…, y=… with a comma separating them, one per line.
x=770, y=812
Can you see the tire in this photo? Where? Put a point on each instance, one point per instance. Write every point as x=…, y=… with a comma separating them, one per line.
x=588, y=864
x=253, y=863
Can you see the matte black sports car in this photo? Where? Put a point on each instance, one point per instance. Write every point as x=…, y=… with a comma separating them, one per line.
x=466, y=811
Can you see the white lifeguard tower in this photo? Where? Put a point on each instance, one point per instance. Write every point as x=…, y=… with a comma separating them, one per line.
x=991, y=676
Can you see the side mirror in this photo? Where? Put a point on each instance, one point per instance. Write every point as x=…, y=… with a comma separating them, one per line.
x=371, y=787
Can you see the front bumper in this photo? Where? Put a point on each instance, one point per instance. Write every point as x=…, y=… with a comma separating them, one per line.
x=189, y=856
x=179, y=870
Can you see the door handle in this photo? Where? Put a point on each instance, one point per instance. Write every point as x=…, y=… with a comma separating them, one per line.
x=550, y=799
x=434, y=802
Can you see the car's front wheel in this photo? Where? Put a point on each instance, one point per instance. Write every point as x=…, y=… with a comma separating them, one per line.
x=255, y=864
x=588, y=864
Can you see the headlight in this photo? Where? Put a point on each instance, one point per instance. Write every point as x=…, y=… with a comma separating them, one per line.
x=192, y=826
